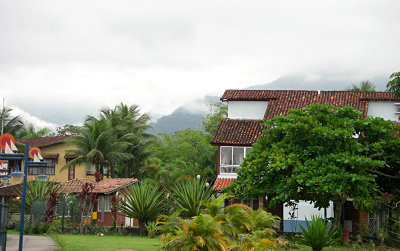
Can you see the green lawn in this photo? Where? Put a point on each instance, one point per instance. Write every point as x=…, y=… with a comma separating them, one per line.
x=69, y=242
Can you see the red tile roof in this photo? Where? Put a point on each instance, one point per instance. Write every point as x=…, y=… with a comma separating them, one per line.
x=245, y=132
x=43, y=141
x=237, y=132
x=222, y=182
x=105, y=186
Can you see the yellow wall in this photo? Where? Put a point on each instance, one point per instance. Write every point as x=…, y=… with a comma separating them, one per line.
x=60, y=176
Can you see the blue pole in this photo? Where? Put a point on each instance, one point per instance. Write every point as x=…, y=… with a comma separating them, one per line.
x=21, y=225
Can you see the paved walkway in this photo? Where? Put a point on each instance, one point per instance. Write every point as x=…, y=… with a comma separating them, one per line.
x=31, y=243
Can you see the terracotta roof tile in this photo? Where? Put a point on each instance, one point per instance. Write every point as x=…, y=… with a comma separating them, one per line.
x=222, y=182
x=237, y=132
x=43, y=141
x=10, y=191
x=105, y=186
x=246, y=132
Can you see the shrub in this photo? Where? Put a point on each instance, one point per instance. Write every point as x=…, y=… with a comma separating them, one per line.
x=143, y=202
x=317, y=235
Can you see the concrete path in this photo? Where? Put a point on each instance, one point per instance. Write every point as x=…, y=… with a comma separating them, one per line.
x=31, y=243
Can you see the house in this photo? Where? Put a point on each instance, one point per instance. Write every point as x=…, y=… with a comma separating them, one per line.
x=55, y=153
x=104, y=190
x=248, y=108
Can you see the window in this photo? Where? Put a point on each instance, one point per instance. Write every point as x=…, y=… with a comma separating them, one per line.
x=90, y=170
x=71, y=173
x=104, y=204
x=48, y=170
x=71, y=170
x=232, y=158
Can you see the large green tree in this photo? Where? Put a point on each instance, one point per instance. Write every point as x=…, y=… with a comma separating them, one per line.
x=394, y=84
x=322, y=154
x=128, y=120
x=97, y=145
x=31, y=132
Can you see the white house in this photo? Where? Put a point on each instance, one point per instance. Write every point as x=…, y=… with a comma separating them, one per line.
x=248, y=108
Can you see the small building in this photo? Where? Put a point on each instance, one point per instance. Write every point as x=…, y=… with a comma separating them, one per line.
x=248, y=108
x=104, y=190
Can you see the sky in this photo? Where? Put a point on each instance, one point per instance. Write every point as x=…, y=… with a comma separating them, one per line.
x=63, y=60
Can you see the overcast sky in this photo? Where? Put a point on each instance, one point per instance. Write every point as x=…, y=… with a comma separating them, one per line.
x=62, y=60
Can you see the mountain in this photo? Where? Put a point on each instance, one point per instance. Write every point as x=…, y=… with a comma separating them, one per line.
x=190, y=114
x=184, y=117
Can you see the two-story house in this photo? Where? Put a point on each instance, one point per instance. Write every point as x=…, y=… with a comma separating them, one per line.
x=55, y=153
x=248, y=108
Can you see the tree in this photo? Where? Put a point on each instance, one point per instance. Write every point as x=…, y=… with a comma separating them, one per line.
x=97, y=145
x=321, y=154
x=189, y=150
x=32, y=133
x=216, y=113
x=130, y=125
x=12, y=125
x=394, y=84
x=67, y=130
x=364, y=86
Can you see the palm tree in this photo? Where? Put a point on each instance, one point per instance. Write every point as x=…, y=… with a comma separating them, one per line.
x=364, y=86
x=12, y=125
x=127, y=120
x=97, y=145
x=394, y=84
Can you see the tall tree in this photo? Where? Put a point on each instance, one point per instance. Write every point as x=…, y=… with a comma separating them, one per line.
x=394, y=84
x=12, y=125
x=321, y=154
x=97, y=145
x=67, y=130
x=128, y=120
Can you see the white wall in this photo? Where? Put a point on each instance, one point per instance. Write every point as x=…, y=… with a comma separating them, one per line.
x=383, y=109
x=247, y=109
x=305, y=209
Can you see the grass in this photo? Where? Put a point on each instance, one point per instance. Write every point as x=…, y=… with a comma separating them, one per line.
x=70, y=242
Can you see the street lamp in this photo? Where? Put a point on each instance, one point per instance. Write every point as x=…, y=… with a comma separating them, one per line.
x=17, y=175
x=7, y=143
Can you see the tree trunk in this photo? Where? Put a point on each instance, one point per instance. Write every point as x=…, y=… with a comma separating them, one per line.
x=142, y=227
x=338, y=213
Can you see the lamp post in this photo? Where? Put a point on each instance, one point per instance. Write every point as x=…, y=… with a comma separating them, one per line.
x=17, y=175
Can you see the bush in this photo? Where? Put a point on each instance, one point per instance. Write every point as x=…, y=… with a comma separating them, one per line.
x=317, y=235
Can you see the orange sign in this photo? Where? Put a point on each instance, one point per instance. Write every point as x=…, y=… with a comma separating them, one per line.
x=35, y=154
x=7, y=140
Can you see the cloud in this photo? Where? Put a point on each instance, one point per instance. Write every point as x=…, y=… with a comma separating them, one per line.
x=28, y=118
x=63, y=60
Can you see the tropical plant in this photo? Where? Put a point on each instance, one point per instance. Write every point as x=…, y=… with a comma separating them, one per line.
x=202, y=232
x=394, y=84
x=36, y=191
x=318, y=234
x=190, y=196
x=97, y=145
x=142, y=202
x=127, y=120
x=12, y=125
x=236, y=226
